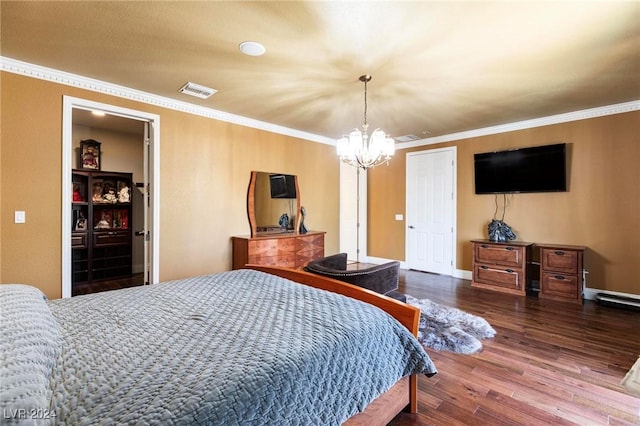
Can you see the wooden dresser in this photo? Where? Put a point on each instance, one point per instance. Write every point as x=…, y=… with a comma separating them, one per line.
x=288, y=250
x=502, y=266
x=561, y=272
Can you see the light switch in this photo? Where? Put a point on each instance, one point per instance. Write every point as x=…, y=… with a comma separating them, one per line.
x=20, y=217
x=399, y=217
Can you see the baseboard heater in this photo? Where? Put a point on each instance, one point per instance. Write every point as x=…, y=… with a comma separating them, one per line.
x=618, y=301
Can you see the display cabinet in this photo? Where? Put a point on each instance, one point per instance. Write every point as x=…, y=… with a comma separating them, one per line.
x=101, y=236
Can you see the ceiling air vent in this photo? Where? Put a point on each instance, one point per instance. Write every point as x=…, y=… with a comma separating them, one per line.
x=406, y=138
x=197, y=90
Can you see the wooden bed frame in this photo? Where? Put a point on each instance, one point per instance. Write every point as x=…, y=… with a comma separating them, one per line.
x=403, y=396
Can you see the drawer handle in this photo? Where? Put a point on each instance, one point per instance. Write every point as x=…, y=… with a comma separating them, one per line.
x=559, y=277
x=484, y=246
x=510, y=248
x=509, y=271
x=484, y=267
x=559, y=253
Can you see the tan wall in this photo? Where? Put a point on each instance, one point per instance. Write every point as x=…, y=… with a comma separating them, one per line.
x=600, y=210
x=205, y=167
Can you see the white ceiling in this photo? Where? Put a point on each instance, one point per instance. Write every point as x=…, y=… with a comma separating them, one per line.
x=438, y=67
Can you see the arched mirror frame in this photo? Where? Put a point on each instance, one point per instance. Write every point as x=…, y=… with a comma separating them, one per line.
x=251, y=205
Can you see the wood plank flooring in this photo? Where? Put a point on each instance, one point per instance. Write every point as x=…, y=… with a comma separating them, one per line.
x=106, y=285
x=550, y=363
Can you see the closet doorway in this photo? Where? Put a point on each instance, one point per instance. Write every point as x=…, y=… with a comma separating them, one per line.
x=131, y=144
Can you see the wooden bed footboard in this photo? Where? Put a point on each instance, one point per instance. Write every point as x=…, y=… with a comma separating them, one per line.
x=404, y=394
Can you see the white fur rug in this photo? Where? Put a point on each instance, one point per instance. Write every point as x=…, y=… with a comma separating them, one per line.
x=449, y=329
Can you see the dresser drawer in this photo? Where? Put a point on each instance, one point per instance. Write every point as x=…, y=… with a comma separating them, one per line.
x=559, y=260
x=285, y=250
x=283, y=260
x=113, y=238
x=499, y=254
x=271, y=247
x=306, y=256
x=498, y=276
x=79, y=240
x=565, y=286
x=309, y=242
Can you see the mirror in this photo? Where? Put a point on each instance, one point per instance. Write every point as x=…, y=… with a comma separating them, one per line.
x=269, y=198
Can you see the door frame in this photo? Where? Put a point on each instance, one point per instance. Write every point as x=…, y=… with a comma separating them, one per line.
x=353, y=212
x=69, y=103
x=454, y=221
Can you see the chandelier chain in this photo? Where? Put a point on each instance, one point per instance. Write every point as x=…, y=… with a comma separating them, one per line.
x=365, y=105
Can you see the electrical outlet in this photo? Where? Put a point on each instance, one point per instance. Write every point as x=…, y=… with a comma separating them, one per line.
x=399, y=217
x=20, y=216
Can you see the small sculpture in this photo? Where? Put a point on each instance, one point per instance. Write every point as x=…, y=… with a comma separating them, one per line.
x=303, y=229
x=500, y=231
x=284, y=221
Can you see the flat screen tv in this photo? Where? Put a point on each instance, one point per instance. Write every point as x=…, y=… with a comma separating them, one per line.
x=534, y=169
x=282, y=186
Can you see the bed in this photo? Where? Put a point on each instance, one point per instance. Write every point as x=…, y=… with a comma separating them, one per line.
x=250, y=346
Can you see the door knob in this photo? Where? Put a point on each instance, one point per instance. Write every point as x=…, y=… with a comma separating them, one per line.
x=411, y=227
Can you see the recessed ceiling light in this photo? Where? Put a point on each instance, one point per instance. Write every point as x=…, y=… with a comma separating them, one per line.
x=98, y=113
x=252, y=48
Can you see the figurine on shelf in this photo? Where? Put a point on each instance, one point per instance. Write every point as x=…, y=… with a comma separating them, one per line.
x=110, y=197
x=89, y=159
x=103, y=223
x=77, y=195
x=123, y=193
x=81, y=222
x=96, y=197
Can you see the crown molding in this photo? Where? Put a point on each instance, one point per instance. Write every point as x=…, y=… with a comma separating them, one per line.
x=528, y=124
x=43, y=73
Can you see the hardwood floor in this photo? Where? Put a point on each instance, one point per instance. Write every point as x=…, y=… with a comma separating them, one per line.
x=550, y=363
x=105, y=285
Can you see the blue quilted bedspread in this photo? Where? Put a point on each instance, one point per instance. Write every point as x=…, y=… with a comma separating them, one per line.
x=235, y=348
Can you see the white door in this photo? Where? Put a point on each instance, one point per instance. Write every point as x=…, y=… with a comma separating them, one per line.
x=147, y=203
x=431, y=210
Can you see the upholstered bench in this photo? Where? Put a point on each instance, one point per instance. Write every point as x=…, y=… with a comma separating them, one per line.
x=379, y=278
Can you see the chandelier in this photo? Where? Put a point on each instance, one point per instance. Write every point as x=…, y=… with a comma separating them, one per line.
x=364, y=151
